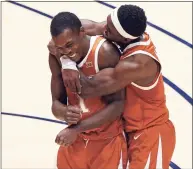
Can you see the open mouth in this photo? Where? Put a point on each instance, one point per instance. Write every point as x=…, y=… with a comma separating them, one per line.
x=71, y=56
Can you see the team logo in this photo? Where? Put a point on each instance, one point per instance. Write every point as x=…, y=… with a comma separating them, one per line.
x=89, y=64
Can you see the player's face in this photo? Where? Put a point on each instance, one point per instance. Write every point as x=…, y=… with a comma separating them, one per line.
x=111, y=33
x=68, y=43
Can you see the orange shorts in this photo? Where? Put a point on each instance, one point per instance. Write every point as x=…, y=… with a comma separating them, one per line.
x=94, y=154
x=152, y=147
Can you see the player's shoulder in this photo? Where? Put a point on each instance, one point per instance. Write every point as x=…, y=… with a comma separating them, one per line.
x=108, y=46
x=109, y=55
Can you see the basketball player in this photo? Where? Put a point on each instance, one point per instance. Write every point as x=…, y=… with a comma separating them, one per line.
x=151, y=133
x=102, y=145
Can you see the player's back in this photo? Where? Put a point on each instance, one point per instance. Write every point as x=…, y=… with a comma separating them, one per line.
x=89, y=66
x=146, y=105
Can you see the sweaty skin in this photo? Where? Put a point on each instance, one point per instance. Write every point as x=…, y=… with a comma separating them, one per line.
x=108, y=57
x=61, y=111
x=145, y=109
x=138, y=68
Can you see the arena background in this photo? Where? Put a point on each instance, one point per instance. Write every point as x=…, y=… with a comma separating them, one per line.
x=28, y=126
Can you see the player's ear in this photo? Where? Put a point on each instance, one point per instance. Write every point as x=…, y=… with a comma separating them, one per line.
x=82, y=31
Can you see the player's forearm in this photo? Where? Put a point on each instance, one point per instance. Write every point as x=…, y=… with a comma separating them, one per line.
x=92, y=28
x=107, y=115
x=103, y=83
x=58, y=109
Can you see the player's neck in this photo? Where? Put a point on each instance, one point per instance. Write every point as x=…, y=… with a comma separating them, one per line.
x=85, y=45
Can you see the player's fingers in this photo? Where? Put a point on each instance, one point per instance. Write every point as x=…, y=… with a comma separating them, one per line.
x=72, y=122
x=61, y=140
x=70, y=114
x=57, y=139
x=74, y=109
x=73, y=119
x=64, y=142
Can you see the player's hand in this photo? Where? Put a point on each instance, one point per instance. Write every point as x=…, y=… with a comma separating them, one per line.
x=52, y=49
x=71, y=80
x=66, y=137
x=73, y=115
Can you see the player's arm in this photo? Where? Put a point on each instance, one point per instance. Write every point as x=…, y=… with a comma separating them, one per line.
x=58, y=91
x=93, y=28
x=108, y=114
x=137, y=68
x=108, y=57
x=59, y=97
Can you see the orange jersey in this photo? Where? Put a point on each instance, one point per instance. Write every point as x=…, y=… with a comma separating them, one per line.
x=90, y=106
x=146, y=105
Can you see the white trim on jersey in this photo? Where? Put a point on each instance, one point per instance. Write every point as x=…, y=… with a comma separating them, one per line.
x=147, y=165
x=149, y=54
x=121, y=162
x=121, y=156
x=92, y=41
x=159, y=164
x=96, y=55
x=146, y=43
x=127, y=167
x=159, y=154
x=146, y=88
